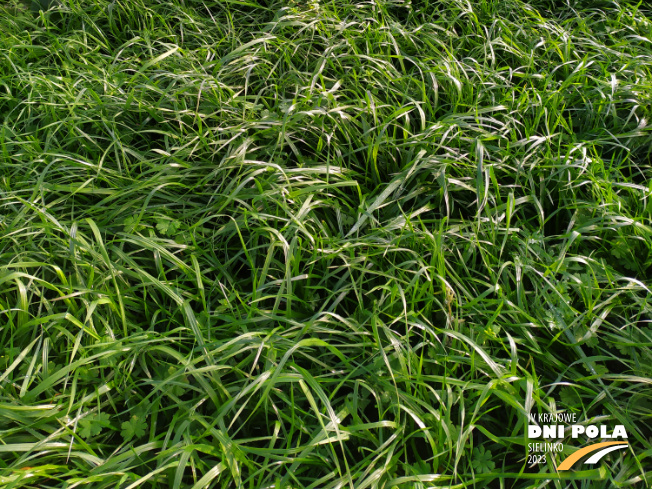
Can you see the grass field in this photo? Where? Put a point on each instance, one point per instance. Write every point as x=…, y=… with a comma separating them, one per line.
x=323, y=244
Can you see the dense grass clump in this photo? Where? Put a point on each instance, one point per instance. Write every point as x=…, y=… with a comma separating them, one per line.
x=322, y=244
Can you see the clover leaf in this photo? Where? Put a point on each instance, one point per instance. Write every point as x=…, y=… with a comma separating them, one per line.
x=570, y=398
x=134, y=428
x=92, y=425
x=167, y=227
x=482, y=462
x=131, y=225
